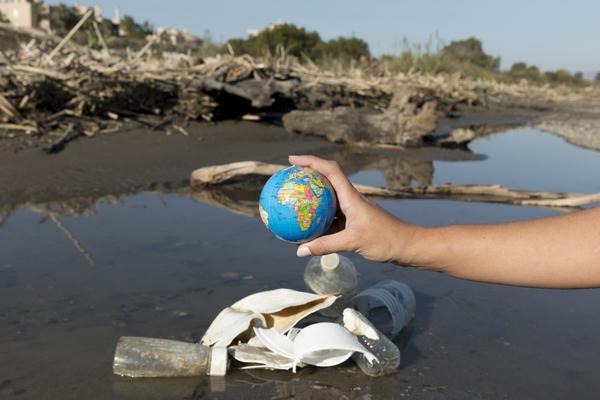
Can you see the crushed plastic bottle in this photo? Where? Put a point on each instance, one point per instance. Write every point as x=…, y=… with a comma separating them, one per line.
x=389, y=305
x=332, y=274
x=140, y=357
x=387, y=353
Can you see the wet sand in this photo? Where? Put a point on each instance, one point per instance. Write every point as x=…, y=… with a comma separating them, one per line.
x=161, y=260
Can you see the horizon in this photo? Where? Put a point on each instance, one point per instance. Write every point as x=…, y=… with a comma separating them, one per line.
x=534, y=38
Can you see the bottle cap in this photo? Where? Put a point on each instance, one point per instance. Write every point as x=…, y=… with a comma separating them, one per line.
x=218, y=361
x=330, y=262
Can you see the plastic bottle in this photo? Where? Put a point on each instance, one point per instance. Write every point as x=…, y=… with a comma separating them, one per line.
x=387, y=353
x=389, y=305
x=332, y=274
x=140, y=357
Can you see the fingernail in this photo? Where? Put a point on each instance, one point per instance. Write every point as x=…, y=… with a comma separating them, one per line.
x=303, y=251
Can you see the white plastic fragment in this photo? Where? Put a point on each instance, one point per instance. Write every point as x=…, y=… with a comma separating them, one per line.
x=323, y=344
x=280, y=309
x=358, y=324
x=218, y=361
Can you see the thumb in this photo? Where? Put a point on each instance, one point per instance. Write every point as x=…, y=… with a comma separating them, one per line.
x=325, y=245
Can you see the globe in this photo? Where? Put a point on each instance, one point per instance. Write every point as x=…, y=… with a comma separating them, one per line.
x=297, y=204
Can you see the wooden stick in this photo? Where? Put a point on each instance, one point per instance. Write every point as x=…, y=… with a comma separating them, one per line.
x=220, y=173
x=8, y=108
x=214, y=175
x=69, y=36
x=143, y=50
x=19, y=127
x=101, y=38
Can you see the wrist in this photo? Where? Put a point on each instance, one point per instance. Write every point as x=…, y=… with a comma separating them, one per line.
x=419, y=246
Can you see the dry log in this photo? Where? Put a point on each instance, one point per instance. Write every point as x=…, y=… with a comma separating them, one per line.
x=8, y=108
x=221, y=173
x=214, y=175
x=259, y=92
x=406, y=122
x=19, y=127
x=71, y=132
x=69, y=36
x=101, y=38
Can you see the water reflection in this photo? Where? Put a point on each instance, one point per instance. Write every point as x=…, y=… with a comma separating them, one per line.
x=165, y=262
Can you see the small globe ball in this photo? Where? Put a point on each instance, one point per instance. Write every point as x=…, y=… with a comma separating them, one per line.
x=298, y=204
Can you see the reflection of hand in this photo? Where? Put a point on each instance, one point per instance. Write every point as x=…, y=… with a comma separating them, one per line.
x=368, y=230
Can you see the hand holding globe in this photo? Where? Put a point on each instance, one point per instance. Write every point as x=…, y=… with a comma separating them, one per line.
x=298, y=204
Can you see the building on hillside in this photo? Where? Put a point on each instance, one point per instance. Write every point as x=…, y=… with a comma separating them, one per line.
x=253, y=32
x=22, y=13
x=174, y=36
x=114, y=24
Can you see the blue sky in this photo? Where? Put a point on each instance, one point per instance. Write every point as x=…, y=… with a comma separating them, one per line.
x=551, y=34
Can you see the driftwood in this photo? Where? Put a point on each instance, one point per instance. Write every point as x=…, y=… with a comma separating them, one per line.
x=260, y=93
x=69, y=35
x=215, y=175
x=406, y=122
x=50, y=86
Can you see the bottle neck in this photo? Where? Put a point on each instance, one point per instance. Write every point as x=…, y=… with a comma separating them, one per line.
x=330, y=262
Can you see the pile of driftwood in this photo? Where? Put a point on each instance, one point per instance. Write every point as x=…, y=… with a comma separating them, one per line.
x=53, y=91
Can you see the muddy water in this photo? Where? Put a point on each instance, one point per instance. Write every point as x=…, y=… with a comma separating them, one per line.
x=164, y=264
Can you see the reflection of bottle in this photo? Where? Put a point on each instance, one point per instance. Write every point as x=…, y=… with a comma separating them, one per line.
x=387, y=353
x=389, y=305
x=332, y=274
x=140, y=357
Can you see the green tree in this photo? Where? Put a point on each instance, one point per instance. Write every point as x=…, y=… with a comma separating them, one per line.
x=564, y=77
x=299, y=42
x=471, y=51
x=63, y=18
x=521, y=70
x=342, y=48
x=38, y=13
x=134, y=29
x=597, y=78
x=295, y=40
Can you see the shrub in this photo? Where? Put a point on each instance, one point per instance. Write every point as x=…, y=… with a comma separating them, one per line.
x=521, y=70
x=564, y=77
x=299, y=42
x=470, y=51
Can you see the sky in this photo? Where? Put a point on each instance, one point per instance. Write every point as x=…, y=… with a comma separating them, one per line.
x=550, y=34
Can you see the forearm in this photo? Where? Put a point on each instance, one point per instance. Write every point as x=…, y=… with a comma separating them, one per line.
x=556, y=252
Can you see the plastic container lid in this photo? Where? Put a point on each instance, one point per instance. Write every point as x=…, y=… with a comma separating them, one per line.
x=330, y=262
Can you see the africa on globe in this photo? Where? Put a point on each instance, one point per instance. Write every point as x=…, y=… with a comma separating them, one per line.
x=297, y=204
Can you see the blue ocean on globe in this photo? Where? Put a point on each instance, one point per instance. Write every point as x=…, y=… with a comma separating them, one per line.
x=298, y=204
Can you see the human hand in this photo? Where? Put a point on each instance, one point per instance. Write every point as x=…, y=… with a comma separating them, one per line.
x=367, y=230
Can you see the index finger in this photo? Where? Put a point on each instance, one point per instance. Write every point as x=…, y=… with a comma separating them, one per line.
x=332, y=171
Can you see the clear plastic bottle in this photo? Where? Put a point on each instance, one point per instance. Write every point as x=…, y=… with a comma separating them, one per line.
x=140, y=357
x=332, y=274
x=387, y=353
x=403, y=293
x=389, y=305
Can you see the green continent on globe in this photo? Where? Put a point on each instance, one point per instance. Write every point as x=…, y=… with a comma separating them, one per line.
x=303, y=190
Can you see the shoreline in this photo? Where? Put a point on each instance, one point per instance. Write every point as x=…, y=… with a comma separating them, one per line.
x=140, y=159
